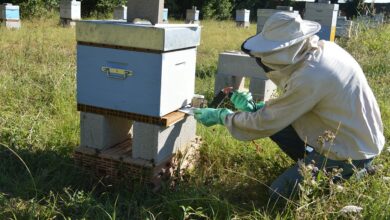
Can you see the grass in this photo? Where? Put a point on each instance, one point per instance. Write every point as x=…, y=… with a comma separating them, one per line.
x=39, y=122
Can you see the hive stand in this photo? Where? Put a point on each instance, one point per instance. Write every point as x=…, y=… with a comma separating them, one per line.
x=119, y=149
x=10, y=16
x=70, y=12
x=128, y=94
x=234, y=67
x=326, y=15
x=192, y=16
x=242, y=18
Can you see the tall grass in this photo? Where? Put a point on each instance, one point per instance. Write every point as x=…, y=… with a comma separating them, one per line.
x=39, y=121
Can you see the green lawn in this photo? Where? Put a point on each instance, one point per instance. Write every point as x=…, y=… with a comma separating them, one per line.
x=39, y=128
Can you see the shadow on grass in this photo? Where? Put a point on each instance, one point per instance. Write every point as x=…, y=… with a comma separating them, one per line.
x=56, y=174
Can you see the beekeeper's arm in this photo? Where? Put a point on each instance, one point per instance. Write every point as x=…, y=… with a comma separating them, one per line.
x=300, y=97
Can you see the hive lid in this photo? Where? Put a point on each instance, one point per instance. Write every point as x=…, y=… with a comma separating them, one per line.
x=159, y=37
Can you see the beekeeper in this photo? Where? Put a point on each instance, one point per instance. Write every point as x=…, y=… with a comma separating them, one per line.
x=323, y=90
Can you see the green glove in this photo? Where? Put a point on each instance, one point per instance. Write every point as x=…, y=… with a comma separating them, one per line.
x=211, y=116
x=243, y=101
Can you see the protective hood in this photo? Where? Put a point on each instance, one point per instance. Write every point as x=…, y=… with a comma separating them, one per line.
x=281, y=59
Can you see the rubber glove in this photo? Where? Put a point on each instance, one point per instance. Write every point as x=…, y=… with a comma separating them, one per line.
x=211, y=116
x=243, y=101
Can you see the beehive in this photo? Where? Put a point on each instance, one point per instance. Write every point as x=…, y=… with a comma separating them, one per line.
x=326, y=15
x=165, y=15
x=141, y=69
x=10, y=15
x=70, y=9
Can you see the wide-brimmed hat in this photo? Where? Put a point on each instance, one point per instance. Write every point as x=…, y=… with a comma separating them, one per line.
x=281, y=30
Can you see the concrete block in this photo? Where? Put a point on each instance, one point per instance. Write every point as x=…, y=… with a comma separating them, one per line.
x=223, y=81
x=157, y=143
x=99, y=131
x=151, y=10
x=120, y=12
x=192, y=16
x=239, y=64
x=262, y=89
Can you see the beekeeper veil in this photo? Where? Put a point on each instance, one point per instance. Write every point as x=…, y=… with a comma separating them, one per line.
x=285, y=40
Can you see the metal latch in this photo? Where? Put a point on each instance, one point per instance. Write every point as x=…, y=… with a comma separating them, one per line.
x=116, y=73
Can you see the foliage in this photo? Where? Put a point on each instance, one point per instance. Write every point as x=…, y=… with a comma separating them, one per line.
x=40, y=123
x=217, y=9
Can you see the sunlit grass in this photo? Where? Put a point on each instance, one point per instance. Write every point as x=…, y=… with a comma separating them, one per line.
x=39, y=121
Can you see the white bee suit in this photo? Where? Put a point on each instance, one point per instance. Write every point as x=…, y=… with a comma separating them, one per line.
x=323, y=88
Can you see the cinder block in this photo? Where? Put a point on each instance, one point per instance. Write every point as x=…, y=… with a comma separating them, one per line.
x=151, y=10
x=157, y=143
x=100, y=132
x=262, y=89
x=223, y=81
x=120, y=12
x=239, y=64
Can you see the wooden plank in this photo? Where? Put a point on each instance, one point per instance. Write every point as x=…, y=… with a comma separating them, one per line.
x=166, y=120
x=173, y=117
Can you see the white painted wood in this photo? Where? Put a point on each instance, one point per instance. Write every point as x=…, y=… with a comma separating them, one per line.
x=177, y=79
